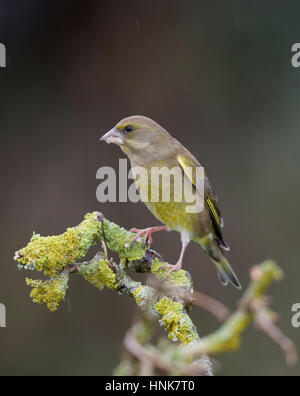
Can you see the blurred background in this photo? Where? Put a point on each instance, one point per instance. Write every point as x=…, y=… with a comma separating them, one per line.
x=218, y=76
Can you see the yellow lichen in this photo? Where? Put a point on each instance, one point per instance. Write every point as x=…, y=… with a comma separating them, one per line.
x=119, y=240
x=136, y=294
x=176, y=278
x=99, y=274
x=176, y=322
x=51, y=254
x=50, y=292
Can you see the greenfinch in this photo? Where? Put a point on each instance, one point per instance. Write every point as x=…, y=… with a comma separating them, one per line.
x=150, y=146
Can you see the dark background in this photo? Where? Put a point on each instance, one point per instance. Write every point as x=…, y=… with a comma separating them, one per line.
x=218, y=76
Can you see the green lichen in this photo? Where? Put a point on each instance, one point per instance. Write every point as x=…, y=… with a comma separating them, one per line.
x=120, y=240
x=51, y=254
x=266, y=273
x=176, y=278
x=227, y=338
x=176, y=322
x=50, y=292
x=99, y=274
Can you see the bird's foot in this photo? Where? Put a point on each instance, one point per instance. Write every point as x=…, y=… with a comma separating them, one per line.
x=172, y=268
x=147, y=233
x=148, y=240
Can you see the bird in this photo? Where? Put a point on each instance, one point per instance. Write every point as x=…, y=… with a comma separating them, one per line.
x=149, y=146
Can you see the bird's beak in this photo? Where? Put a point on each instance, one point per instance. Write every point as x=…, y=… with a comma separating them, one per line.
x=113, y=136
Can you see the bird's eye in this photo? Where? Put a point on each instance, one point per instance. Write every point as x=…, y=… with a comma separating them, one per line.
x=128, y=129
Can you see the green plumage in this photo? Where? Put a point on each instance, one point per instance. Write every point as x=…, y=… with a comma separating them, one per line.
x=150, y=146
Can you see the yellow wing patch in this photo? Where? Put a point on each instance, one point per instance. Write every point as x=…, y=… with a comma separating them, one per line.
x=212, y=210
x=187, y=166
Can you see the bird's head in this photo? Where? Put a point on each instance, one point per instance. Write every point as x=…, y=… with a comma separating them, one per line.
x=137, y=135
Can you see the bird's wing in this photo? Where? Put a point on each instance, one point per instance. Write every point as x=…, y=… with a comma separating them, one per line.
x=188, y=164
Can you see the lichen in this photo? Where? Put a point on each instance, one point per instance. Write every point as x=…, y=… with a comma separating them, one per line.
x=119, y=240
x=176, y=278
x=176, y=321
x=51, y=254
x=49, y=292
x=263, y=274
x=136, y=294
x=227, y=338
x=144, y=297
x=99, y=274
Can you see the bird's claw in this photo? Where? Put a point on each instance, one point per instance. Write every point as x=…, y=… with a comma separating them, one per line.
x=148, y=240
x=172, y=268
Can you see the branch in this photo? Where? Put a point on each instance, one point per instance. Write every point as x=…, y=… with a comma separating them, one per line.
x=152, y=358
x=209, y=304
x=252, y=308
x=166, y=301
x=58, y=255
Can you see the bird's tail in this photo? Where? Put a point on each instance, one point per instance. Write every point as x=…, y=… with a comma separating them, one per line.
x=224, y=269
x=226, y=273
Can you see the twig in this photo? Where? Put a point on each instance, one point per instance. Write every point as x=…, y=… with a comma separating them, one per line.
x=252, y=308
x=153, y=358
x=264, y=323
x=210, y=305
